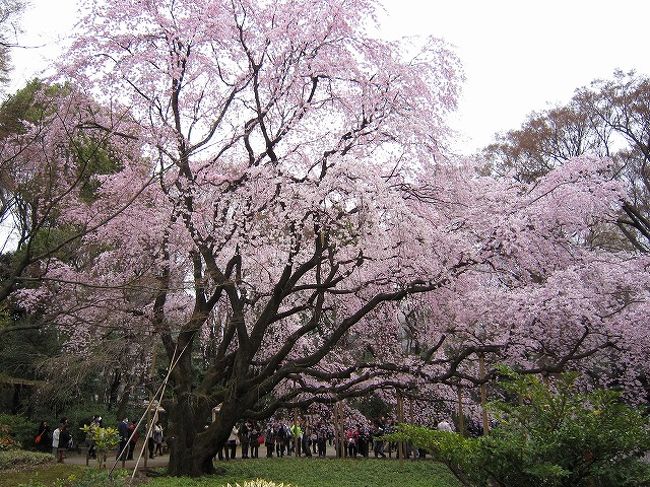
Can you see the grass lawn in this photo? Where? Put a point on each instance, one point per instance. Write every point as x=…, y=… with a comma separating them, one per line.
x=46, y=474
x=304, y=472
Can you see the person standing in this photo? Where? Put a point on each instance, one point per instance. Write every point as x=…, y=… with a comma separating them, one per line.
x=254, y=436
x=270, y=440
x=296, y=434
x=231, y=446
x=280, y=439
x=56, y=437
x=321, y=438
x=133, y=436
x=364, y=440
x=378, y=434
x=352, y=437
x=123, y=430
x=63, y=441
x=244, y=439
x=43, y=439
x=158, y=438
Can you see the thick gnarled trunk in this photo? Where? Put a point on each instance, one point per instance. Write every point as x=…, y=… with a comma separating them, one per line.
x=193, y=440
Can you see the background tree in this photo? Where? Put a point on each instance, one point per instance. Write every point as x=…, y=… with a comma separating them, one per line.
x=10, y=12
x=52, y=158
x=608, y=118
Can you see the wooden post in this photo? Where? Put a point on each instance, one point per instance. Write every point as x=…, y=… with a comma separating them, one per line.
x=401, y=447
x=296, y=440
x=335, y=424
x=344, y=450
x=484, y=413
x=461, y=416
x=152, y=372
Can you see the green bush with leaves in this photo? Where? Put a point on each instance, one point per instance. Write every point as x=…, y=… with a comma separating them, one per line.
x=16, y=431
x=12, y=459
x=104, y=439
x=547, y=435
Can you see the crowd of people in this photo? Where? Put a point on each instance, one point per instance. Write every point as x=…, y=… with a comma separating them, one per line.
x=60, y=440
x=313, y=438
x=275, y=438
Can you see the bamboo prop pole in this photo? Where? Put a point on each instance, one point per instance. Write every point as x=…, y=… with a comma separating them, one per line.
x=162, y=394
x=162, y=386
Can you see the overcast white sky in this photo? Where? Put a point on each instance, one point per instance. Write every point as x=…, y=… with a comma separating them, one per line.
x=518, y=55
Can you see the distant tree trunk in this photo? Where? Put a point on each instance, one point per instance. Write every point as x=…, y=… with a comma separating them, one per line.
x=15, y=401
x=113, y=390
x=124, y=401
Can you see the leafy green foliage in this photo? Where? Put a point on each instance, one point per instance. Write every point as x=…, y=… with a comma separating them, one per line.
x=373, y=407
x=21, y=429
x=104, y=439
x=547, y=436
x=21, y=458
x=7, y=440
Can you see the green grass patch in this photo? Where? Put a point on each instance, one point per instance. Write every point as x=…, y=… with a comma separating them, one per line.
x=45, y=474
x=304, y=472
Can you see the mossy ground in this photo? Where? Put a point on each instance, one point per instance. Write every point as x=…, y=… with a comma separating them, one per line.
x=300, y=472
x=304, y=472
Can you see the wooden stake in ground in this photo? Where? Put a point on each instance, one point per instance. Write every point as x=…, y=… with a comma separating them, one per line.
x=401, y=447
x=484, y=413
x=152, y=371
x=337, y=431
x=461, y=414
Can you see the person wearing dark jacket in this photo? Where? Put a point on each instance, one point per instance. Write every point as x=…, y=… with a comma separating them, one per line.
x=123, y=430
x=64, y=443
x=43, y=438
x=244, y=439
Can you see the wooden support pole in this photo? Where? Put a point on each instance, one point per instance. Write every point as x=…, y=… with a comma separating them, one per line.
x=152, y=372
x=400, y=419
x=484, y=413
x=461, y=415
x=342, y=451
x=296, y=440
x=335, y=423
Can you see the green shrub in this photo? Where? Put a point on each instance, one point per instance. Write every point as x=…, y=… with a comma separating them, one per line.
x=21, y=458
x=88, y=478
x=7, y=440
x=547, y=436
x=105, y=439
x=21, y=429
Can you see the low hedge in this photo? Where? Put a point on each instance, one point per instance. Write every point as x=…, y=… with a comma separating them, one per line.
x=21, y=458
